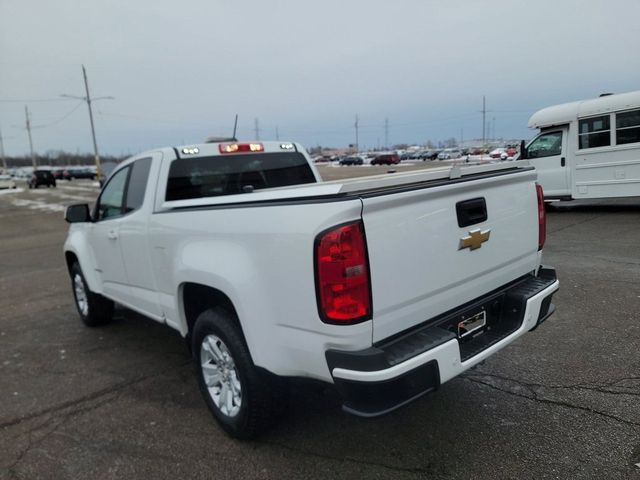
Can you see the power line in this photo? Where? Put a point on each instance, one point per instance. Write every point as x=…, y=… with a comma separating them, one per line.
x=32, y=100
x=61, y=119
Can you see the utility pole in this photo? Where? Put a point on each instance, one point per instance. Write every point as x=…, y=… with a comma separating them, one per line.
x=277, y=133
x=386, y=134
x=88, y=99
x=484, y=113
x=493, y=124
x=93, y=129
x=4, y=160
x=33, y=157
x=257, y=128
x=356, y=126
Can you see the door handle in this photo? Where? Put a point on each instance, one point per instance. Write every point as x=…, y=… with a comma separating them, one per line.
x=471, y=211
x=112, y=235
x=562, y=161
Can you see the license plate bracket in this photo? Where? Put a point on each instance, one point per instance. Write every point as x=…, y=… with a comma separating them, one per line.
x=472, y=325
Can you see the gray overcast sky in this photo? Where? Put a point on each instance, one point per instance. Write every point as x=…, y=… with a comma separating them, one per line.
x=180, y=71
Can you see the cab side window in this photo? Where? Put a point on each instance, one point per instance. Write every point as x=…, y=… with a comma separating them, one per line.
x=547, y=145
x=137, y=184
x=112, y=197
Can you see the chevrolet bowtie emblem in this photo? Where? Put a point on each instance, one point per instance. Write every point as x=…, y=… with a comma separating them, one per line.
x=475, y=239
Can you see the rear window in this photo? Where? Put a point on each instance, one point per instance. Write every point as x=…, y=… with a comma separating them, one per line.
x=231, y=174
x=42, y=173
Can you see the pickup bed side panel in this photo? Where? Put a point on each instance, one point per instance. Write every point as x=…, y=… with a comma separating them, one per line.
x=261, y=257
x=418, y=269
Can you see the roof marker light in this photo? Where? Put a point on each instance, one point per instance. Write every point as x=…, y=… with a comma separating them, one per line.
x=191, y=151
x=240, y=147
x=286, y=146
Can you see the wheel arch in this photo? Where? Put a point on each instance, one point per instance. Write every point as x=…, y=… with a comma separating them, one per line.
x=73, y=254
x=70, y=258
x=196, y=298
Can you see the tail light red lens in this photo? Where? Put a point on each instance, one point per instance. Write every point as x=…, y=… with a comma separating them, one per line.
x=342, y=275
x=542, y=218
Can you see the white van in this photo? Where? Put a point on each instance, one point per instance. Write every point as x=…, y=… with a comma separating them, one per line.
x=588, y=149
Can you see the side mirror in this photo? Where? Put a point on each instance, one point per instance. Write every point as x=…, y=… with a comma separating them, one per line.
x=77, y=213
x=523, y=150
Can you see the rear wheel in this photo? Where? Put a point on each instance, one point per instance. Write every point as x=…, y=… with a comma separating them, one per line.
x=243, y=398
x=94, y=309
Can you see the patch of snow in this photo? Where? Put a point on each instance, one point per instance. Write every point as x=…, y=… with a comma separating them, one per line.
x=11, y=190
x=36, y=205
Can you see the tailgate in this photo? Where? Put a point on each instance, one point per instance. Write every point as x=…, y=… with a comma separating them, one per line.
x=418, y=268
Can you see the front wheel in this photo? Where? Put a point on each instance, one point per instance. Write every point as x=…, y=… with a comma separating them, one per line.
x=243, y=398
x=94, y=309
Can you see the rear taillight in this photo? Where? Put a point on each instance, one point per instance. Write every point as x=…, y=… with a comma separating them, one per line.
x=342, y=275
x=542, y=218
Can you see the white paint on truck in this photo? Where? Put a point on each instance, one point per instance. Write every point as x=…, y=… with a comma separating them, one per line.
x=386, y=286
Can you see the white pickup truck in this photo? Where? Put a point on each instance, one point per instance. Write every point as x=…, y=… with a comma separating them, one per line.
x=385, y=286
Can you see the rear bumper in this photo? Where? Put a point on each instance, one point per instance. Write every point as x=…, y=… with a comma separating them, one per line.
x=398, y=370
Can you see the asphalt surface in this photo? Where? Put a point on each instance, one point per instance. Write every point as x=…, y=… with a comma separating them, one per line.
x=122, y=401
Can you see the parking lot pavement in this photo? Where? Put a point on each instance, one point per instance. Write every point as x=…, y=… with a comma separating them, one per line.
x=122, y=401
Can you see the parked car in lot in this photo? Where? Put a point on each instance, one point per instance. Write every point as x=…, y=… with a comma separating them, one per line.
x=428, y=155
x=22, y=174
x=500, y=153
x=351, y=161
x=322, y=159
x=81, y=173
x=386, y=159
x=42, y=177
x=61, y=174
x=449, y=154
x=7, y=182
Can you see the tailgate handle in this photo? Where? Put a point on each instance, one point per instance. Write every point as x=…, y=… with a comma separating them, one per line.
x=471, y=211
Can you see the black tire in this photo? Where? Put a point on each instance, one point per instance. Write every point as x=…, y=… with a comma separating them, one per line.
x=262, y=395
x=97, y=310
